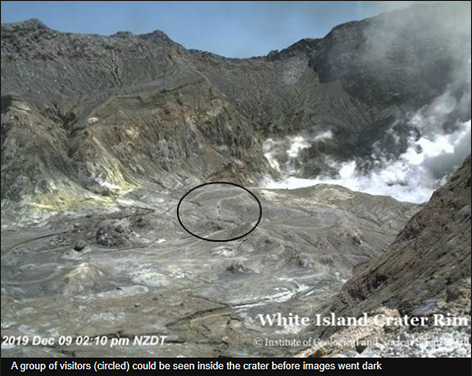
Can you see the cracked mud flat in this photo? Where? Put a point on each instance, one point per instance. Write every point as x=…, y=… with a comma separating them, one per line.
x=135, y=271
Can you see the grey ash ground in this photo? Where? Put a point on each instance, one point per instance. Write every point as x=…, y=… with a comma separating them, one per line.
x=220, y=212
x=136, y=271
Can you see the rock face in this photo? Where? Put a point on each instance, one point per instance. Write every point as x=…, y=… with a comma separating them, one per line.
x=430, y=258
x=424, y=274
x=86, y=116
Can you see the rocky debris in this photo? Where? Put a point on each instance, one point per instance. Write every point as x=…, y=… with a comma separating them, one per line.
x=436, y=343
x=80, y=246
x=140, y=221
x=238, y=267
x=112, y=234
x=110, y=230
x=321, y=352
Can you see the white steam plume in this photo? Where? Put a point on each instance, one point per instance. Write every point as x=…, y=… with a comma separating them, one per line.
x=415, y=175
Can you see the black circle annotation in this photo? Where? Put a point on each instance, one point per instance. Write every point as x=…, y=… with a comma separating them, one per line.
x=219, y=240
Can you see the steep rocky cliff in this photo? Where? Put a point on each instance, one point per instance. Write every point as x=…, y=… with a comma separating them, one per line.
x=423, y=275
x=430, y=258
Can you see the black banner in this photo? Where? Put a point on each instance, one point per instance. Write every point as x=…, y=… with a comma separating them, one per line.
x=392, y=366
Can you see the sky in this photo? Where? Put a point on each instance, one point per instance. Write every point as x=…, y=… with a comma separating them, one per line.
x=231, y=29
